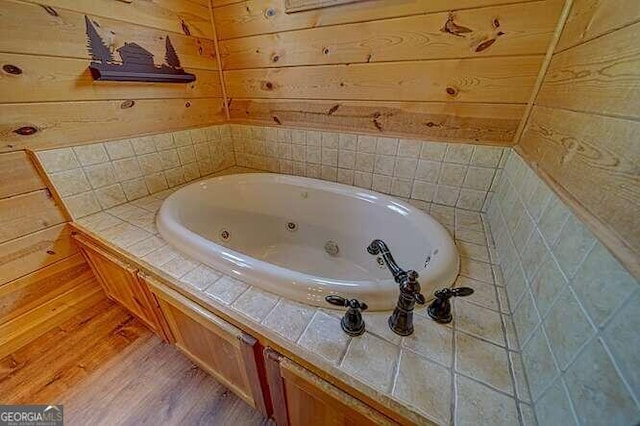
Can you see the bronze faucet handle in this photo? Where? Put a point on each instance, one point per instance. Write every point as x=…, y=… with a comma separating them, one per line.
x=352, y=322
x=351, y=303
x=446, y=293
x=440, y=309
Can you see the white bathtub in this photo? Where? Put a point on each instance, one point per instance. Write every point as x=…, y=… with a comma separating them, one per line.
x=271, y=231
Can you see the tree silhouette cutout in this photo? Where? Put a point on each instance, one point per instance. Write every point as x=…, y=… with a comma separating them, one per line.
x=137, y=63
x=171, y=57
x=98, y=50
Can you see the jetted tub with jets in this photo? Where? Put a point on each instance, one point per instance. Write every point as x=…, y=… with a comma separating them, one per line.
x=304, y=238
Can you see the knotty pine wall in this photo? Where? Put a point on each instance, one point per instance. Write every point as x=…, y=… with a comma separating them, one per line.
x=411, y=68
x=43, y=277
x=583, y=135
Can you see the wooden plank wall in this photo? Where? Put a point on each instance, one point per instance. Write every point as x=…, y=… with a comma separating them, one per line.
x=412, y=68
x=55, y=94
x=43, y=277
x=583, y=135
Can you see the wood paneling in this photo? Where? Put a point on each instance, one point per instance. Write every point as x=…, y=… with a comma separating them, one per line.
x=48, y=88
x=525, y=30
x=24, y=294
x=500, y=80
x=23, y=255
x=30, y=29
x=27, y=213
x=63, y=79
x=591, y=18
x=601, y=76
x=74, y=123
x=17, y=175
x=582, y=135
x=179, y=16
x=23, y=329
x=393, y=68
x=253, y=17
x=491, y=124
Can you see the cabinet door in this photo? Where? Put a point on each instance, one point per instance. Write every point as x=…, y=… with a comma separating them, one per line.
x=121, y=284
x=224, y=351
x=300, y=398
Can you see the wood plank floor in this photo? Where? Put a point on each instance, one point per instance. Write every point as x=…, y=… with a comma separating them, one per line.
x=107, y=368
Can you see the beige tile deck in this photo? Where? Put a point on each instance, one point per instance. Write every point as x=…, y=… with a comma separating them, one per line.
x=413, y=374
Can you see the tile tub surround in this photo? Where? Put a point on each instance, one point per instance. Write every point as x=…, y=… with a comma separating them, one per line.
x=94, y=177
x=449, y=174
x=436, y=375
x=576, y=310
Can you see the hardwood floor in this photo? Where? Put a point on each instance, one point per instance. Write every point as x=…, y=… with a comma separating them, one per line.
x=107, y=368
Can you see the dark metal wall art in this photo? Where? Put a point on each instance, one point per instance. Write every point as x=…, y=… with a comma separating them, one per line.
x=136, y=63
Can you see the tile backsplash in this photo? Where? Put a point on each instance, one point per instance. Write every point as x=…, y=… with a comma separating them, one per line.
x=98, y=176
x=455, y=175
x=576, y=310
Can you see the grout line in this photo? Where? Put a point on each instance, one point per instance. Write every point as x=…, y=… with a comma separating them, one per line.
x=572, y=407
x=396, y=372
x=306, y=327
x=344, y=354
x=622, y=376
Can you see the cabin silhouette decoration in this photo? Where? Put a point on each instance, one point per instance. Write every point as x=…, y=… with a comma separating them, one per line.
x=137, y=63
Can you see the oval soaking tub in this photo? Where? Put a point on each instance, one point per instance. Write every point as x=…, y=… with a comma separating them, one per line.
x=304, y=238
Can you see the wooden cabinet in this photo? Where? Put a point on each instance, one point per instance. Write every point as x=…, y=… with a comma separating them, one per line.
x=300, y=398
x=120, y=282
x=231, y=356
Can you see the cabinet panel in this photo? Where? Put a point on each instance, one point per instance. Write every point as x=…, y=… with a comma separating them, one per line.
x=121, y=283
x=222, y=350
x=301, y=398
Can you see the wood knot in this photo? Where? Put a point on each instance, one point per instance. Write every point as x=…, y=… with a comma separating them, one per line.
x=12, y=69
x=270, y=12
x=452, y=91
x=431, y=124
x=496, y=23
x=267, y=85
x=127, y=104
x=26, y=131
x=325, y=50
x=51, y=11
x=485, y=44
x=51, y=252
x=185, y=28
x=187, y=104
x=333, y=109
x=275, y=58
x=277, y=120
x=450, y=27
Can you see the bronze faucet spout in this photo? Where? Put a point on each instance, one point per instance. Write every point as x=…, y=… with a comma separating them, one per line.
x=401, y=321
x=378, y=247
